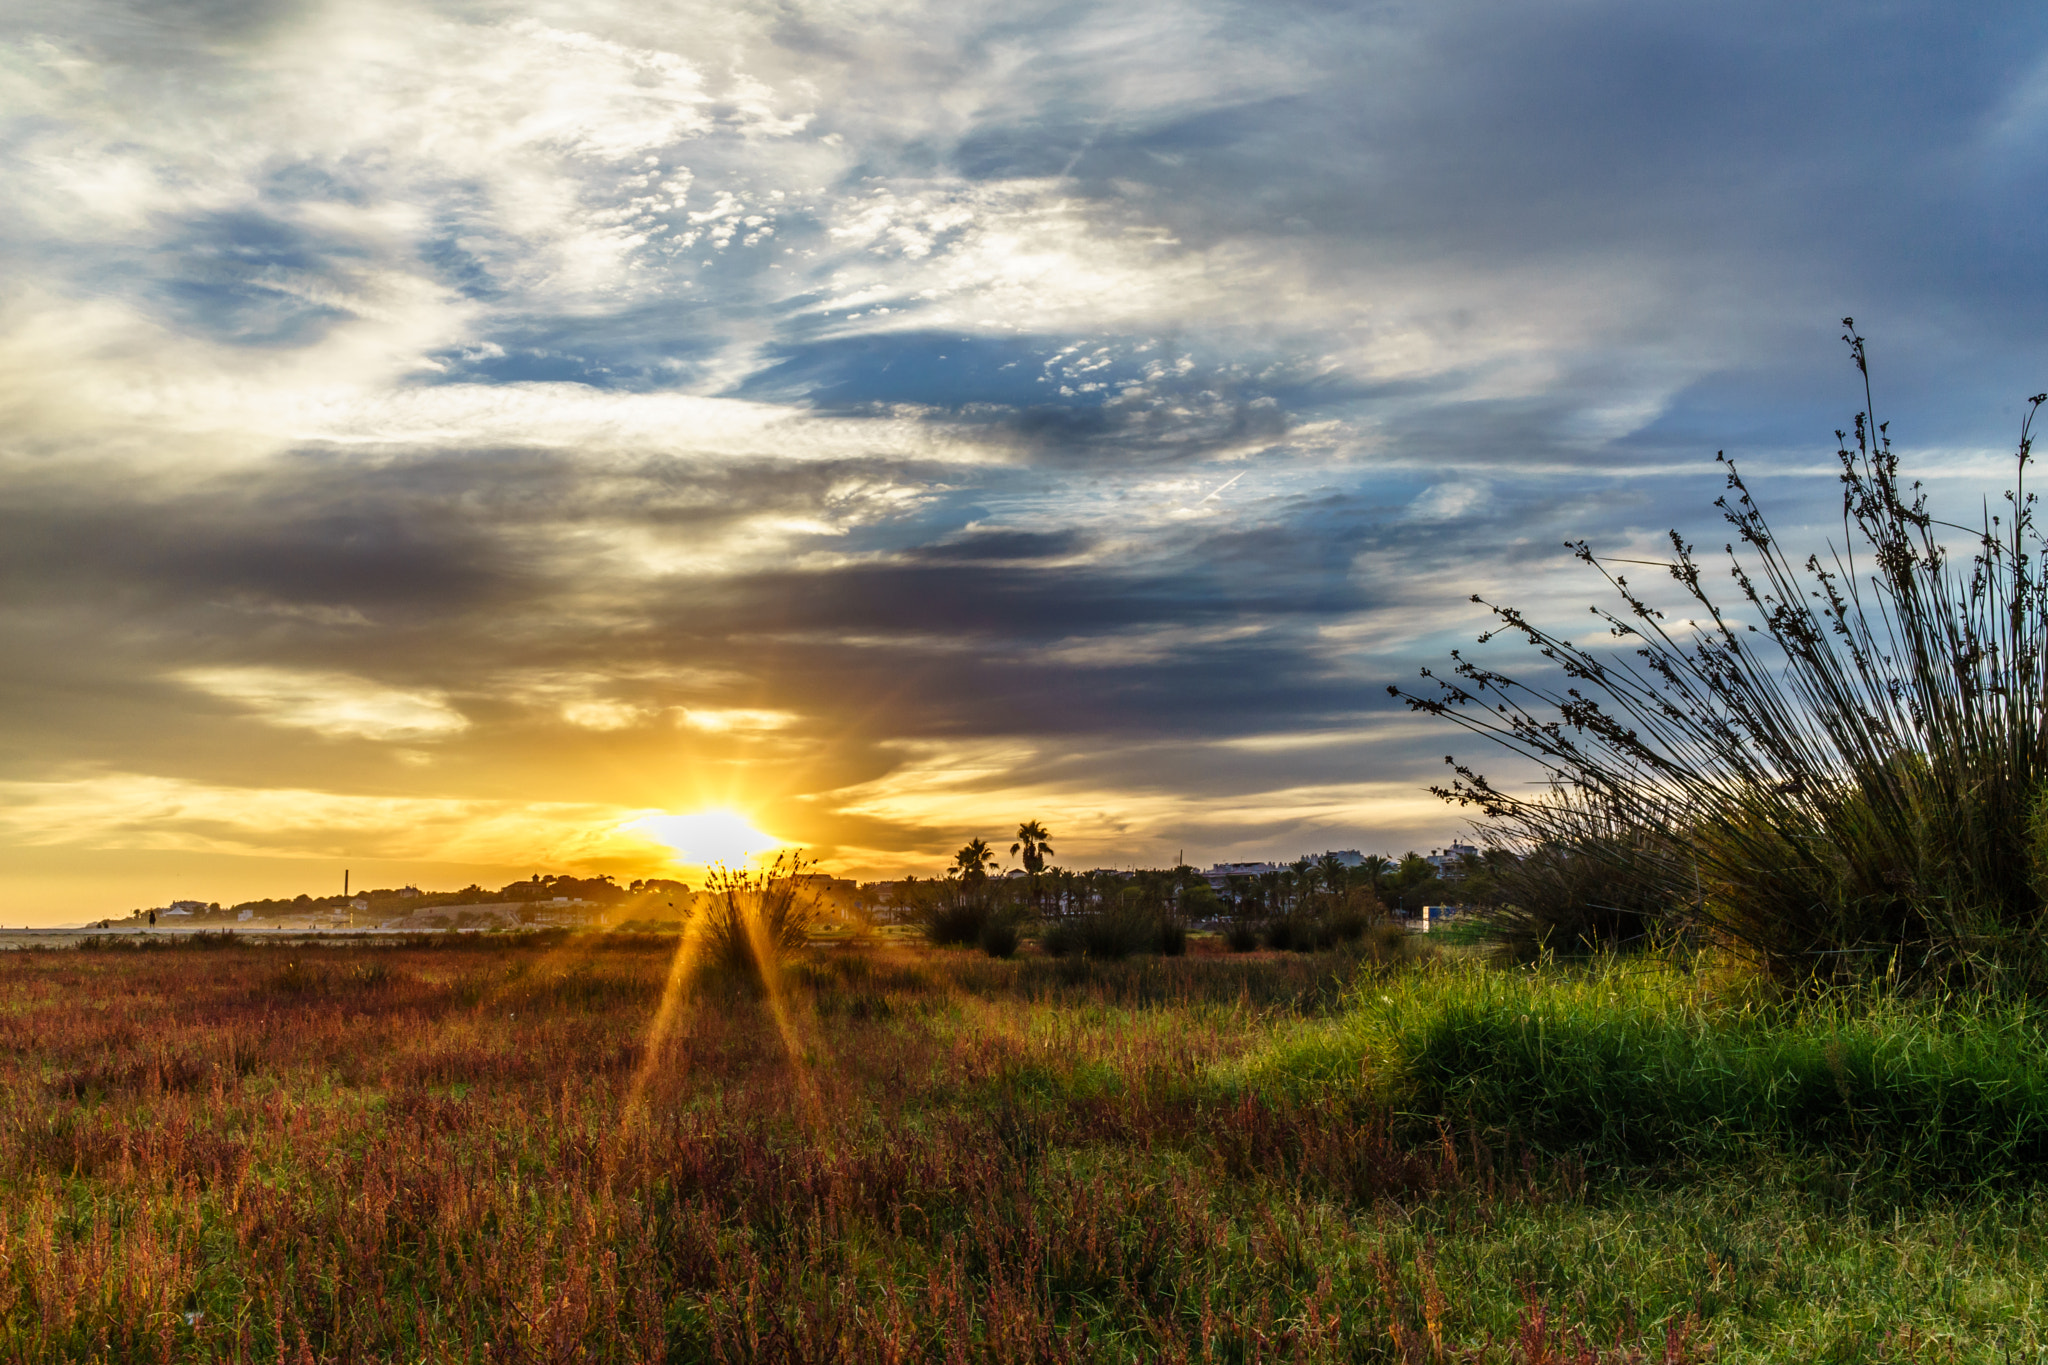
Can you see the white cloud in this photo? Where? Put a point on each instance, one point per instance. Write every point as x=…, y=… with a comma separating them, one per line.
x=331, y=704
x=1013, y=255
x=1145, y=646
x=604, y=715
x=1446, y=501
x=736, y=719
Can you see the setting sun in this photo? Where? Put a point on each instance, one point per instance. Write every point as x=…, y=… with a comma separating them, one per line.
x=709, y=836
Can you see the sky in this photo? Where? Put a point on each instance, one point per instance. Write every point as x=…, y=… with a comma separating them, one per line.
x=446, y=441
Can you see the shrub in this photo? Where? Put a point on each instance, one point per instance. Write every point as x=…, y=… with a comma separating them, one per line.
x=1111, y=935
x=1308, y=931
x=1241, y=935
x=1061, y=938
x=1837, y=774
x=298, y=978
x=1173, y=937
x=999, y=937
x=955, y=914
x=1116, y=934
x=1287, y=932
x=1346, y=923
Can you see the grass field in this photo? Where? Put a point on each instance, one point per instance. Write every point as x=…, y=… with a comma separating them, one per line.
x=499, y=1151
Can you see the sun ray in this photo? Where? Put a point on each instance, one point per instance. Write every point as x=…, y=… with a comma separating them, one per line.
x=766, y=966
x=666, y=1011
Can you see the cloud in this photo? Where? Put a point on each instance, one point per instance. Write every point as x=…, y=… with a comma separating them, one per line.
x=133, y=811
x=1445, y=501
x=935, y=792
x=901, y=419
x=722, y=720
x=604, y=715
x=330, y=704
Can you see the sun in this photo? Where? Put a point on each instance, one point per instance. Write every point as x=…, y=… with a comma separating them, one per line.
x=709, y=836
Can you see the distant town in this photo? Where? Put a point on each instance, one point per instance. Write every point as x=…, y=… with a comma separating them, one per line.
x=558, y=900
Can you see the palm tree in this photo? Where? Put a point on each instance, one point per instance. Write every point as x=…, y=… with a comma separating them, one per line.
x=974, y=861
x=1061, y=889
x=1375, y=868
x=1031, y=839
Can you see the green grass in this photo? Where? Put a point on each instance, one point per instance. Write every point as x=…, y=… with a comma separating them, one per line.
x=1777, y=1262
x=1646, y=1061
x=1468, y=930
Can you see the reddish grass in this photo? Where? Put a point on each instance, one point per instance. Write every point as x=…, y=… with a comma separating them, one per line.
x=425, y=1153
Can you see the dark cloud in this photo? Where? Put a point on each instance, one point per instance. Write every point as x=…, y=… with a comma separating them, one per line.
x=1012, y=546
x=467, y=572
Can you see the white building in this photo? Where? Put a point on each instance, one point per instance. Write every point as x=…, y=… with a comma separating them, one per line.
x=1446, y=860
x=1220, y=874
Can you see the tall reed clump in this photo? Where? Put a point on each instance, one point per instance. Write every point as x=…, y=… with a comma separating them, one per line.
x=755, y=919
x=1838, y=774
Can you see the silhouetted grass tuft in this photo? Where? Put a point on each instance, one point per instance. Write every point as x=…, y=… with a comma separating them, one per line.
x=753, y=921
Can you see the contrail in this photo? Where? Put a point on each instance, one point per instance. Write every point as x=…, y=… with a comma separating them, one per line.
x=1095, y=132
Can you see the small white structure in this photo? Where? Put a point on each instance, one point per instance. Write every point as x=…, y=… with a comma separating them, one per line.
x=1219, y=875
x=1446, y=860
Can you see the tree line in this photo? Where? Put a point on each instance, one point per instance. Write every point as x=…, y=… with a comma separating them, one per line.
x=1310, y=903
